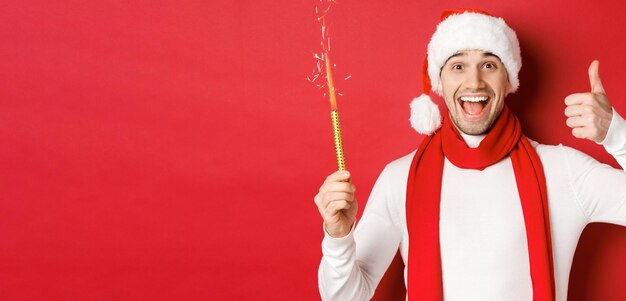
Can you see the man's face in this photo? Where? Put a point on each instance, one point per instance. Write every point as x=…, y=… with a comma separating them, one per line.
x=474, y=84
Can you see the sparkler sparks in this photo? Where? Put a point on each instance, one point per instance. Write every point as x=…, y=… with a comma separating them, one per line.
x=321, y=75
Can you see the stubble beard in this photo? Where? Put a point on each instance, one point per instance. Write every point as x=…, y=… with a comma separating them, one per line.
x=473, y=128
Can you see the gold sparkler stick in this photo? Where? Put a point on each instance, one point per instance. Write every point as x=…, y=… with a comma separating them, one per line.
x=334, y=114
x=341, y=164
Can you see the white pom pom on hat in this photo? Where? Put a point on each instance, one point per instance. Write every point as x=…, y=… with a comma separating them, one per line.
x=462, y=30
x=425, y=116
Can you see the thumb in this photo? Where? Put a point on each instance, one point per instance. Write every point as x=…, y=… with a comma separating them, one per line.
x=594, y=78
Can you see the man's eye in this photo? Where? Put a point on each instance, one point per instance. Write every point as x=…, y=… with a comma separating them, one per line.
x=457, y=67
x=489, y=65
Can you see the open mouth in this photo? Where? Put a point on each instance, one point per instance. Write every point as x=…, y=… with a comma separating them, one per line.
x=474, y=106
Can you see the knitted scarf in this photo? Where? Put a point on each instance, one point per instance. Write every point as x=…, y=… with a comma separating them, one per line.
x=424, y=192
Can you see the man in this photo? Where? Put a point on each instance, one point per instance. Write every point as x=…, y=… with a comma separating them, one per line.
x=490, y=215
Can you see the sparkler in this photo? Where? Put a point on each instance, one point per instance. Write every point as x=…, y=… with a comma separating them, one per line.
x=323, y=70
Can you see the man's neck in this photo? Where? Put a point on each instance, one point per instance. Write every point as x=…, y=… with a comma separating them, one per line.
x=472, y=141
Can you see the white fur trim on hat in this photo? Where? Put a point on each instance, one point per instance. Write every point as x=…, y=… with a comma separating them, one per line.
x=425, y=116
x=474, y=31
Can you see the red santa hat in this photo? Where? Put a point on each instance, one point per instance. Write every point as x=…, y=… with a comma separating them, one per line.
x=462, y=30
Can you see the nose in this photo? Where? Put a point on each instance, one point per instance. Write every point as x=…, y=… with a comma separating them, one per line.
x=474, y=79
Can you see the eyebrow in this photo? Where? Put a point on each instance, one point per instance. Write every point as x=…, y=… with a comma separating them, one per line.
x=463, y=53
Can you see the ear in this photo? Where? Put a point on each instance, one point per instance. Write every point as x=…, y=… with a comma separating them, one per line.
x=509, y=86
x=440, y=88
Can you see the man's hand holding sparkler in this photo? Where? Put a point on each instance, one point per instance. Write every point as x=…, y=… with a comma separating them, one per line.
x=337, y=204
x=335, y=200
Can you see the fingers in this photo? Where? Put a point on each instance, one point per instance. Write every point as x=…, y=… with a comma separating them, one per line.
x=337, y=204
x=578, y=99
x=577, y=110
x=338, y=176
x=331, y=197
x=582, y=133
x=589, y=126
x=577, y=121
x=589, y=114
x=336, y=191
x=334, y=207
x=335, y=188
x=594, y=78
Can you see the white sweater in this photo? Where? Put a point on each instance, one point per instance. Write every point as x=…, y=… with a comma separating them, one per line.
x=484, y=251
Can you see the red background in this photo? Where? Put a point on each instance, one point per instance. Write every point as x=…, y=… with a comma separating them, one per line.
x=170, y=150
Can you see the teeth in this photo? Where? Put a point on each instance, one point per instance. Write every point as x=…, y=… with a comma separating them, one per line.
x=474, y=98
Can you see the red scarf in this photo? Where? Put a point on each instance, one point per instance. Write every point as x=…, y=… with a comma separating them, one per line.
x=424, y=192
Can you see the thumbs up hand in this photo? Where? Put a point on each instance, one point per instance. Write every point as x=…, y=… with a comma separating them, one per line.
x=589, y=114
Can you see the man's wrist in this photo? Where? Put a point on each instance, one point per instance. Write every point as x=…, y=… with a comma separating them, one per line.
x=341, y=233
x=615, y=139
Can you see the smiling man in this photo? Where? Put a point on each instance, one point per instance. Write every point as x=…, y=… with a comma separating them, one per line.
x=475, y=85
x=478, y=211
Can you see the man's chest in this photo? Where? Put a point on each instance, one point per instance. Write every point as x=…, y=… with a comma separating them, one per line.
x=482, y=231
